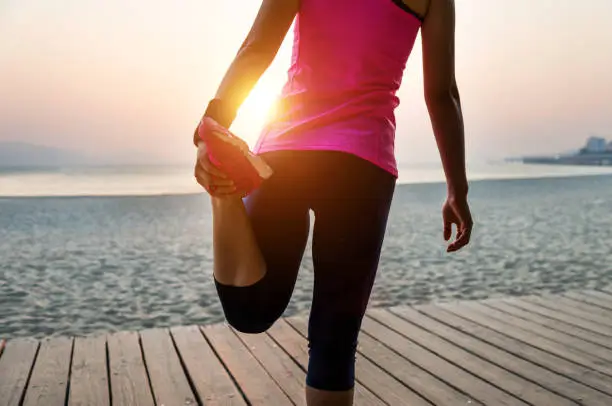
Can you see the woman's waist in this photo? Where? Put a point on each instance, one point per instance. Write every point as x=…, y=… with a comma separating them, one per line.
x=369, y=137
x=335, y=106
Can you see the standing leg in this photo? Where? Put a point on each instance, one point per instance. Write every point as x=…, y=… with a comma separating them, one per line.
x=269, y=230
x=350, y=221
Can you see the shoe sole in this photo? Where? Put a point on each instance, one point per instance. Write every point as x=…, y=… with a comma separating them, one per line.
x=261, y=167
x=232, y=156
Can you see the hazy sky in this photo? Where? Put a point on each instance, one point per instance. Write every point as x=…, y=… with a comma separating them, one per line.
x=120, y=75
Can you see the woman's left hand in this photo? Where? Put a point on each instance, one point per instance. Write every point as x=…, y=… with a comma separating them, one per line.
x=213, y=180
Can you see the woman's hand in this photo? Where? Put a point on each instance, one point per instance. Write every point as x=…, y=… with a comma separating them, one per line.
x=215, y=182
x=457, y=211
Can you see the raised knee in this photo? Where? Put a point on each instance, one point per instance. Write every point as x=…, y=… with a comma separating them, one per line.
x=249, y=309
x=251, y=319
x=249, y=325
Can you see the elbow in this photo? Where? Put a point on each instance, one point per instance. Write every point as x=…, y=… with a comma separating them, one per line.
x=442, y=97
x=455, y=92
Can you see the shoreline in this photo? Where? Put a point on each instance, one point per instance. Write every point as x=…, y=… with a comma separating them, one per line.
x=83, y=264
x=475, y=179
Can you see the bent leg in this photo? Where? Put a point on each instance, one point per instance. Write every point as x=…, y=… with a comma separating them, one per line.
x=279, y=221
x=237, y=258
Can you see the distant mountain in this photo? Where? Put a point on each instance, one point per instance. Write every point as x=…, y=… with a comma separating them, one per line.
x=17, y=154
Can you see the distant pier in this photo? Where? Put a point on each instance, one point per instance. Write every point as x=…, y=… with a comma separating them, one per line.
x=579, y=159
x=597, y=151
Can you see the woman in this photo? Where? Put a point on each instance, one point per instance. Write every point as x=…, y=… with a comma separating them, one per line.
x=330, y=148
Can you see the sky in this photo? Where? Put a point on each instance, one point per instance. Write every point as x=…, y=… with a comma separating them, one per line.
x=127, y=78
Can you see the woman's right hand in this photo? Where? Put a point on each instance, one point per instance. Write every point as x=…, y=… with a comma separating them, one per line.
x=213, y=180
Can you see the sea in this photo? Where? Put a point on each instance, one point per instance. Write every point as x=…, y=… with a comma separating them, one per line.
x=101, y=249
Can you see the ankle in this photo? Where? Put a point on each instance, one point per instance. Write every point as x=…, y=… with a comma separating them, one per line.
x=317, y=397
x=226, y=201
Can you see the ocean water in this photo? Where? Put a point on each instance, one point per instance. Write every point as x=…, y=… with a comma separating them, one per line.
x=85, y=259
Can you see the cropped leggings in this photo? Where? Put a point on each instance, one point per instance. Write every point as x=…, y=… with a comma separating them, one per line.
x=350, y=199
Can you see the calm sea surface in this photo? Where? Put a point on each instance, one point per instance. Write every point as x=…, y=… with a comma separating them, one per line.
x=104, y=249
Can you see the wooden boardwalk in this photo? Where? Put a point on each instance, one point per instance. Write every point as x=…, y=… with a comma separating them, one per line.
x=551, y=350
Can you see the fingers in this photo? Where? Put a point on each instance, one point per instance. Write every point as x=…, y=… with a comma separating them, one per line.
x=212, y=182
x=216, y=181
x=458, y=213
x=214, y=185
x=462, y=239
x=221, y=191
x=205, y=163
x=448, y=230
x=217, y=191
x=210, y=168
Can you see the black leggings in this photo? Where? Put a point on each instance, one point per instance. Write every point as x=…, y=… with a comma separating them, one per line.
x=350, y=198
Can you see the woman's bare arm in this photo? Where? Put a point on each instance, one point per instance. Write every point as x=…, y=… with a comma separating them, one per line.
x=442, y=94
x=254, y=56
x=442, y=97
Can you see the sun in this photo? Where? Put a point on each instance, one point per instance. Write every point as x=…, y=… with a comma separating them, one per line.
x=255, y=112
x=258, y=104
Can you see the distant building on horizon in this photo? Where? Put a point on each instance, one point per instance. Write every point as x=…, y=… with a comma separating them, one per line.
x=596, y=152
x=596, y=145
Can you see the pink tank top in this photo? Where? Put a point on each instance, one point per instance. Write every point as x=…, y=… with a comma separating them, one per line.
x=347, y=65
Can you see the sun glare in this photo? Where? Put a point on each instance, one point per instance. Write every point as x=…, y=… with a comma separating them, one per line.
x=259, y=103
x=255, y=111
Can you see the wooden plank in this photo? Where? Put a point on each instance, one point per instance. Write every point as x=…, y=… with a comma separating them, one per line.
x=544, y=311
x=49, y=380
x=363, y=396
x=421, y=381
x=257, y=385
x=488, y=371
x=573, y=309
x=291, y=340
x=476, y=366
x=593, y=350
x=466, y=310
x=607, y=289
x=474, y=387
x=129, y=381
x=602, y=295
x=549, y=381
x=298, y=350
x=89, y=384
x=542, y=358
x=583, y=305
x=389, y=389
x=15, y=365
x=553, y=324
x=370, y=377
x=285, y=372
x=211, y=381
x=168, y=380
x=592, y=296
x=607, y=297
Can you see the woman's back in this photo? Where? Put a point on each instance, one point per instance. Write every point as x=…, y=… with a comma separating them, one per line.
x=343, y=46
x=347, y=65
